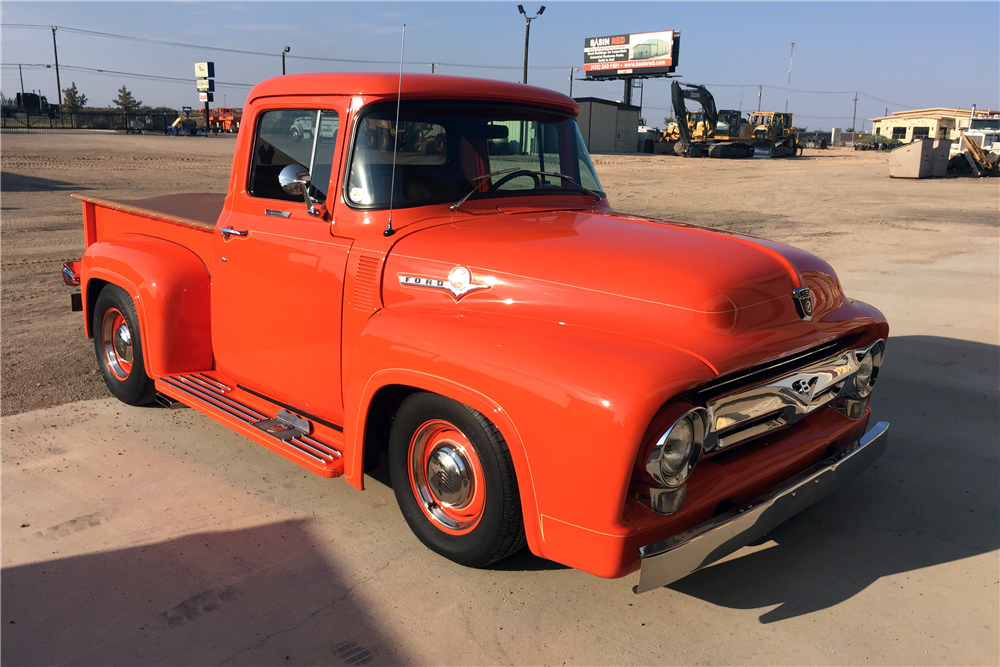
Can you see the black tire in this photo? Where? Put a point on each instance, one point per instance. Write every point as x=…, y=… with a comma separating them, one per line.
x=498, y=532
x=122, y=365
x=296, y=134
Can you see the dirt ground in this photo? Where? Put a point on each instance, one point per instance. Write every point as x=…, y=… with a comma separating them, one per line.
x=236, y=557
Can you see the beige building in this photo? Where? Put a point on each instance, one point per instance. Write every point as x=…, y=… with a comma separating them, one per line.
x=936, y=123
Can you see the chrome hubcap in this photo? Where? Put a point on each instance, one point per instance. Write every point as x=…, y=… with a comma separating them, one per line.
x=123, y=343
x=448, y=476
x=117, y=342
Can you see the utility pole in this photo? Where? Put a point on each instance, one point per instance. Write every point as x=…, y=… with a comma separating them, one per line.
x=22, y=78
x=789, y=75
x=433, y=67
x=287, y=49
x=854, y=119
x=58, y=85
x=760, y=91
x=571, y=70
x=527, y=31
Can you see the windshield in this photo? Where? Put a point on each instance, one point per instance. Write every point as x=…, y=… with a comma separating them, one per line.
x=984, y=124
x=443, y=148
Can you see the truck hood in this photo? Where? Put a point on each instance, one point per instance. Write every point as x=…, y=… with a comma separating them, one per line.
x=724, y=298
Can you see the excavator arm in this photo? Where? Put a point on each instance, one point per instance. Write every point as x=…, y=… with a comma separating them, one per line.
x=697, y=94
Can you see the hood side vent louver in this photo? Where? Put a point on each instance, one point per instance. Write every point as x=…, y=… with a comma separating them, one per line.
x=366, y=284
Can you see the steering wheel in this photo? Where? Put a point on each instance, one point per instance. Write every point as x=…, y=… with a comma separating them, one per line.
x=512, y=175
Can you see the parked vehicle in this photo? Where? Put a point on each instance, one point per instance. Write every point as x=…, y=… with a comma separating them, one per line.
x=615, y=391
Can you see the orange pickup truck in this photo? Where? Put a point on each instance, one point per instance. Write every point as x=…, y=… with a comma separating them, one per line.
x=437, y=277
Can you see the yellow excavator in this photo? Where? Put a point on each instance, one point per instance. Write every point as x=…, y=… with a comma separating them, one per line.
x=723, y=134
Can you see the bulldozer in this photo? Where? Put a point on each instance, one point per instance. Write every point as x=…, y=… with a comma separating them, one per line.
x=772, y=133
x=723, y=134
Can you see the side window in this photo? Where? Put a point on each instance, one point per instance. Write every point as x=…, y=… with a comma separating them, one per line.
x=290, y=136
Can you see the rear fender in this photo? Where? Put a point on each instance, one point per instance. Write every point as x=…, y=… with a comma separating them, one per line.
x=171, y=288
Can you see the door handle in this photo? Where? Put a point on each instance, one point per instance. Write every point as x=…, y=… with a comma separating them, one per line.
x=229, y=231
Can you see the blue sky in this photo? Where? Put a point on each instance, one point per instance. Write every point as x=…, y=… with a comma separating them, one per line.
x=897, y=55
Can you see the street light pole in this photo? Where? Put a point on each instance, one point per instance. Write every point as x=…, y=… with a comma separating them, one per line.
x=527, y=32
x=287, y=49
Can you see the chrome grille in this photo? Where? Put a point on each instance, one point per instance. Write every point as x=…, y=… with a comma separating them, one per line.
x=750, y=412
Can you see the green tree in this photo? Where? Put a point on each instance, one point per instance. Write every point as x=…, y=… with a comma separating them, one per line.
x=126, y=102
x=73, y=99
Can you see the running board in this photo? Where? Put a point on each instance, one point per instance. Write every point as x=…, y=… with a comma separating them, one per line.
x=284, y=433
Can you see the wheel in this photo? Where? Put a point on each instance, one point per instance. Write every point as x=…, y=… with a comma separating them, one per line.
x=512, y=175
x=118, y=344
x=454, y=481
x=296, y=134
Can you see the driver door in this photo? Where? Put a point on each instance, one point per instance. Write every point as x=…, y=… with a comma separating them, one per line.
x=278, y=279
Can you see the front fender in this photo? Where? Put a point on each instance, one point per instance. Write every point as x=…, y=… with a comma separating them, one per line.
x=572, y=403
x=171, y=288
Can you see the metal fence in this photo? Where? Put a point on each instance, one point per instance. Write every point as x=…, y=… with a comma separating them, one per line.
x=85, y=121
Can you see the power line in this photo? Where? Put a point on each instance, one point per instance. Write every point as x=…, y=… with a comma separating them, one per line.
x=154, y=77
x=162, y=42
x=147, y=40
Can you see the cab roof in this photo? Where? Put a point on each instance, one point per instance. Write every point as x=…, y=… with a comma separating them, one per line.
x=414, y=86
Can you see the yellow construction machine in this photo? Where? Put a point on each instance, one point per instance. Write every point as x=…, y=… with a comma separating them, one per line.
x=723, y=134
x=772, y=133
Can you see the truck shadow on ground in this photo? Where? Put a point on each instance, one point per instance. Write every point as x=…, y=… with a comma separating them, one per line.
x=261, y=595
x=931, y=499
x=21, y=183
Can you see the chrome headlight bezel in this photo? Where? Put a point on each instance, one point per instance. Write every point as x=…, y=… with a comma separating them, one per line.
x=872, y=355
x=656, y=463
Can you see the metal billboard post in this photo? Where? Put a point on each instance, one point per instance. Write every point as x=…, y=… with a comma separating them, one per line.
x=205, y=83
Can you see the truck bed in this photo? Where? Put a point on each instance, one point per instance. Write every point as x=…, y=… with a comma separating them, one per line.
x=186, y=219
x=199, y=209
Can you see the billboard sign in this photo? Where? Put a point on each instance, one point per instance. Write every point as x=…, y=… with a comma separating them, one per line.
x=206, y=97
x=636, y=54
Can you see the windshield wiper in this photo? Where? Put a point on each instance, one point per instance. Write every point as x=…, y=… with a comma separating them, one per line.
x=478, y=180
x=572, y=180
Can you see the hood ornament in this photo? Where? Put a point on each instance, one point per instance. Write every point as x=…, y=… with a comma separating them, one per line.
x=803, y=302
x=459, y=282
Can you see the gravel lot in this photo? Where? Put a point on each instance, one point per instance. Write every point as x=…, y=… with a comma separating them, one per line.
x=147, y=536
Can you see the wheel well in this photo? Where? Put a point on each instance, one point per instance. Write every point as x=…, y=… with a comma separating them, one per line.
x=94, y=288
x=378, y=422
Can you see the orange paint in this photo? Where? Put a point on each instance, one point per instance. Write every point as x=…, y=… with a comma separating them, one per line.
x=592, y=321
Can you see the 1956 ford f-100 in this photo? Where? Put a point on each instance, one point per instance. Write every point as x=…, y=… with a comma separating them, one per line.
x=436, y=276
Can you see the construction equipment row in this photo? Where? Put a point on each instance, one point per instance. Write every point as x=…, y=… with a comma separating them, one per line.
x=724, y=134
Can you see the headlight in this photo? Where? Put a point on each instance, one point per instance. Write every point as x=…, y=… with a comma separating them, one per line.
x=675, y=448
x=868, y=365
x=676, y=452
x=864, y=374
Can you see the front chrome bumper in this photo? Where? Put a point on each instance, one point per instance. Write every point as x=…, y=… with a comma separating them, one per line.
x=668, y=560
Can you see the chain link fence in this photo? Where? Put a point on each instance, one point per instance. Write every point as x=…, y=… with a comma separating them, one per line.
x=85, y=121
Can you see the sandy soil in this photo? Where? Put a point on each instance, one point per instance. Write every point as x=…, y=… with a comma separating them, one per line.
x=836, y=203
x=162, y=537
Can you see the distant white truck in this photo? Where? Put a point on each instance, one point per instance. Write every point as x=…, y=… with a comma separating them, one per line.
x=984, y=129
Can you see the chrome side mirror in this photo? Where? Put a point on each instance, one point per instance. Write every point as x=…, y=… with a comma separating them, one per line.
x=294, y=179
